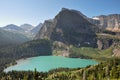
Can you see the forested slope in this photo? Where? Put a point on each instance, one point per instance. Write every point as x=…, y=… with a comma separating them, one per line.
x=29, y=49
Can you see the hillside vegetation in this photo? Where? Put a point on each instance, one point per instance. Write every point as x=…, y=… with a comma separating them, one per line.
x=109, y=70
x=8, y=38
x=29, y=49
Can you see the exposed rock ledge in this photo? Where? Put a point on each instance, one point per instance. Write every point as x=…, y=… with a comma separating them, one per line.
x=116, y=52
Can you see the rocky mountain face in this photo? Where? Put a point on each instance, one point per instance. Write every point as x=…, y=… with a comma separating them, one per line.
x=110, y=22
x=69, y=27
x=110, y=29
x=116, y=49
x=36, y=29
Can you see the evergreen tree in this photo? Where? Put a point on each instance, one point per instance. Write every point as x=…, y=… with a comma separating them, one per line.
x=35, y=74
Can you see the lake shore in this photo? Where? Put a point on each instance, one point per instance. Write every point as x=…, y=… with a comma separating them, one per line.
x=46, y=63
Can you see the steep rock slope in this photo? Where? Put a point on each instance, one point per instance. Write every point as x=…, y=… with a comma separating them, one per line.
x=36, y=29
x=109, y=22
x=69, y=27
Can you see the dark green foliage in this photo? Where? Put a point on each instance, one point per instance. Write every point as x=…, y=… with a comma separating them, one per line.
x=9, y=38
x=23, y=75
x=28, y=49
x=109, y=70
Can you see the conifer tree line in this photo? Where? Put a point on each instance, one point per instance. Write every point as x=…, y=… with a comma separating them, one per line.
x=108, y=70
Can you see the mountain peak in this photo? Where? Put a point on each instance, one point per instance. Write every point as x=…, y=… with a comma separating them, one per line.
x=12, y=27
x=68, y=27
x=36, y=29
x=65, y=9
x=27, y=27
x=75, y=11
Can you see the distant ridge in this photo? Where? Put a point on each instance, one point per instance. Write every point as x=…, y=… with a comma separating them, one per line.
x=24, y=29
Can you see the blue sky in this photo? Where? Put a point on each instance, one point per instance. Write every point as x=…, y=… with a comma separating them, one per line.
x=35, y=11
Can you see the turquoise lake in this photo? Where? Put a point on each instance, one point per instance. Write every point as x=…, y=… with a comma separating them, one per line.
x=46, y=63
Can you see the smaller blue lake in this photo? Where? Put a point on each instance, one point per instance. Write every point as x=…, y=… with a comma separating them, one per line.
x=46, y=63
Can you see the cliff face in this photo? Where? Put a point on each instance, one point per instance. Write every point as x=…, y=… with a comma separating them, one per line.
x=116, y=49
x=46, y=30
x=69, y=27
x=104, y=43
x=110, y=27
x=110, y=22
x=72, y=28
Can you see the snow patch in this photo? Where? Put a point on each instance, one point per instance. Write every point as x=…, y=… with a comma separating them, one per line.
x=95, y=18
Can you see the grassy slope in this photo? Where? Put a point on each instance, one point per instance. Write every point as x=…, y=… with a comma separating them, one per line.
x=93, y=53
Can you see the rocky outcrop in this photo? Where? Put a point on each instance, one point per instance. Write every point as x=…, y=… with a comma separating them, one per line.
x=116, y=49
x=104, y=43
x=69, y=27
x=46, y=30
x=36, y=29
x=110, y=22
x=116, y=52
